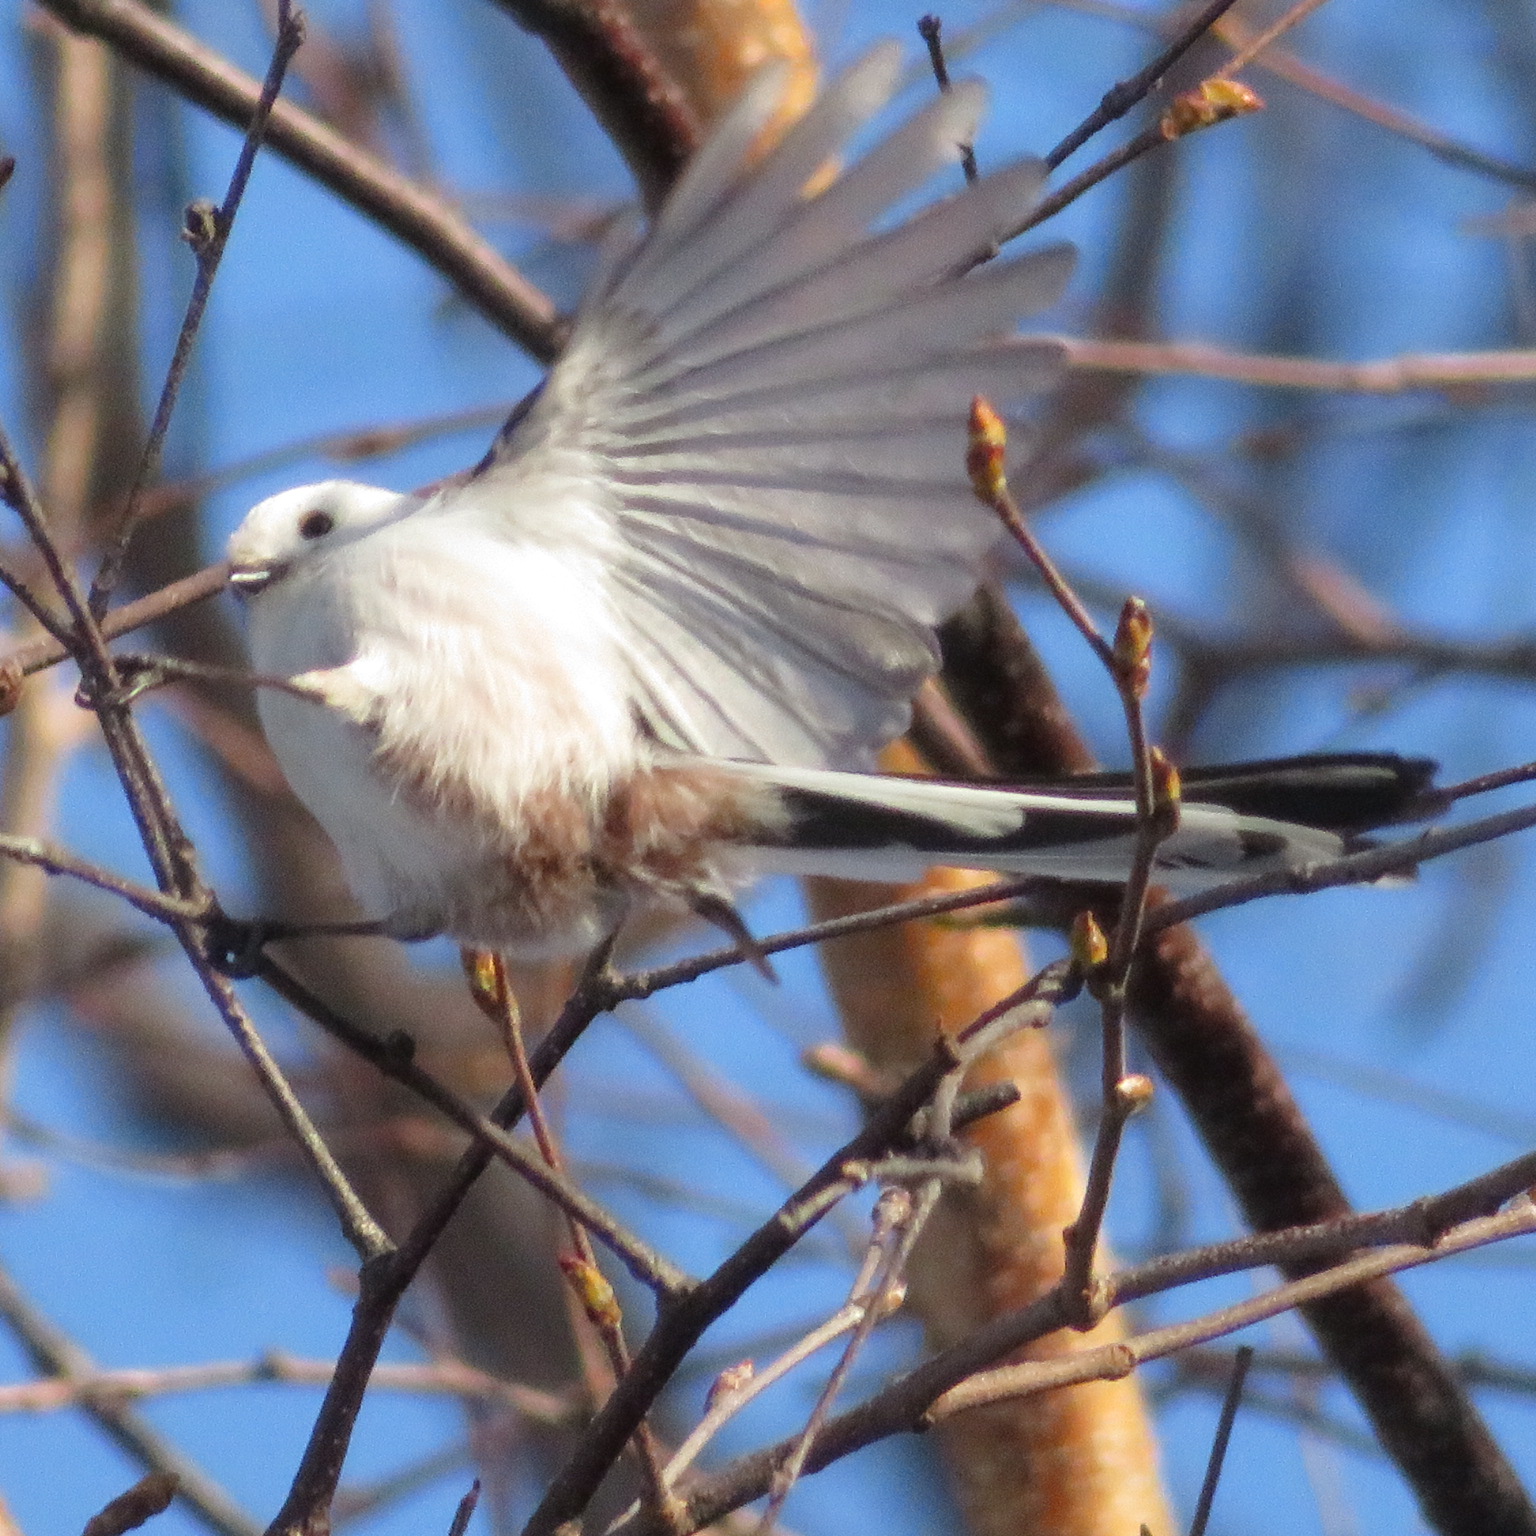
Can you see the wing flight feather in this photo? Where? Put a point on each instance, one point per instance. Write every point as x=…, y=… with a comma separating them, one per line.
x=762, y=414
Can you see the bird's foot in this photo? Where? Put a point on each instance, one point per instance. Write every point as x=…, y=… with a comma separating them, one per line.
x=720, y=912
x=234, y=945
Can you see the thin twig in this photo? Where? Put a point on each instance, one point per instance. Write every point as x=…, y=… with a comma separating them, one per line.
x=1286, y=66
x=1122, y=1093
x=1256, y=45
x=59, y=861
x=737, y=1393
x=931, y=29
x=1128, y=664
x=367, y=1237
x=207, y=230
x=394, y=1058
x=438, y=1378
x=1229, y=1406
x=1109, y=1362
x=45, y=616
x=1399, y=857
x=898, y=1220
x=638, y=985
x=466, y=1510
x=1486, y=783
x=1188, y=114
x=1121, y=97
x=38, y=655
x=592, y=1289
x=905, y=1403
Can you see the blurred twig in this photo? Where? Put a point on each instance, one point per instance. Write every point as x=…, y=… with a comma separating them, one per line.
x=437, y=1378
x=418, y=217
x=52, y=1353
x=1286, y=66
x=1446, y=371
x=606, y=56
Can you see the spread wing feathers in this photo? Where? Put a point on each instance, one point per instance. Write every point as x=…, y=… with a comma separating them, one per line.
x=763, y=410
x=871, y=827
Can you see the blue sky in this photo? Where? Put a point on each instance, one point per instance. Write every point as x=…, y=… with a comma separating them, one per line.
x=1304, y=230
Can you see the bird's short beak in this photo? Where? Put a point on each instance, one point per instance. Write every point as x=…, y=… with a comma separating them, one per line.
x=248, y=580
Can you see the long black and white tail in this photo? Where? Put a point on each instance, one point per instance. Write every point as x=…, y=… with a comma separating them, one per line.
x=890, y=828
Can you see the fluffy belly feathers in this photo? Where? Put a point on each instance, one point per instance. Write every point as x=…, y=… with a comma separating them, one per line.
x=550, y=873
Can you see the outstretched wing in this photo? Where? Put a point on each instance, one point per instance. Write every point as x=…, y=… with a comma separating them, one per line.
x=761, y=422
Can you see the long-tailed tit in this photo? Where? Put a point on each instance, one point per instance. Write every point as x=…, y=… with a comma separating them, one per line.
x=644, y=648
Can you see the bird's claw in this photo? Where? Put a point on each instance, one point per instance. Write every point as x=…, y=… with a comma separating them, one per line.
x=234, y=946
x=137, y=675
x=723, y=915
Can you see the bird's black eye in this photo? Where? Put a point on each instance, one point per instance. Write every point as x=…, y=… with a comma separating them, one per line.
x=315, y=525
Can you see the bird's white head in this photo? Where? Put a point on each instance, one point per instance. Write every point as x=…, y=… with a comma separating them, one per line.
x=300, y=527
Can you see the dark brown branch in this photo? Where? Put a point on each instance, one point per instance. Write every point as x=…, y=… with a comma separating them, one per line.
x=606, y=59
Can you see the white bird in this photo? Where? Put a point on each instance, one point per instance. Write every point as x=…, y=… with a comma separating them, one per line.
x=636, y=654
